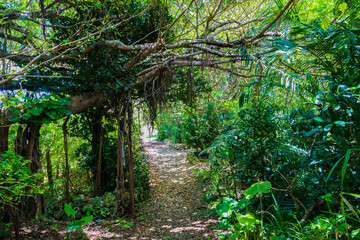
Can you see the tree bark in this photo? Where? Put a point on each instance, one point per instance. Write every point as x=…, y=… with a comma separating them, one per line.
x=18, y=143
x=29, y=149
x=49, y=167
x=120, y=183
x=78, y=104
x=15, y=221
x=67, y=168
x=49, y=170
x=97, y=185
x=130, y=159
x=4, y=139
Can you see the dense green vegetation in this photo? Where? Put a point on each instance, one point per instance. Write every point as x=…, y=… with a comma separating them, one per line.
x=266, y=93
x=294, y=129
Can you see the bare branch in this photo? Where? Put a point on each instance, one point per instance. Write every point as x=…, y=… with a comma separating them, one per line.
x=261, y=34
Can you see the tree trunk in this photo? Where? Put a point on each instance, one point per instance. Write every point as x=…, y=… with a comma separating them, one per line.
x=120, y=184
x=257, y=85
x=49, y=167
x=97, y=186
x=18, y=144
x=11, y=212
x=49, y=170
x=4, y=139
x=29, y=149
x=130, y=159
x=67, y=168
x=15, y=221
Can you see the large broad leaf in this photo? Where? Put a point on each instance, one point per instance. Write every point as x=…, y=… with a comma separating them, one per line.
x=69, y=210
x=51, y=114
x=224, y=224
x=86, y=219
x=14, y=118
x=74, y=225
x=248, y=220
x=26, y=116
x=225, y=208
x=355, y=233
x=35, y=111
x=257, y=188
x=243, y=203
x=343, y=6
x=67, y=112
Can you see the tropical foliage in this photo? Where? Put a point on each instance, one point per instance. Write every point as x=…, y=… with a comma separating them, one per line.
x=265, y=92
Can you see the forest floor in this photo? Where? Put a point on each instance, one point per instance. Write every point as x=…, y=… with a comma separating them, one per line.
x=174, y=210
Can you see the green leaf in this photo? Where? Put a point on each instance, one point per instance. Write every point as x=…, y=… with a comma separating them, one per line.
x=14, y=118
x=35, y=111
x=293, y=113
x=325, y=22
x=69, y=210
x=343, y=7
x=226, y=207
x=86, y=219
x=51, y=114
x=63, y=102
x=242, y=100
x=332, y=169
x=26, y=169
x=302, y=112
x=352, y=194
x=257, y=188
x=319, y=119
x=343, y=170
x=26, y=116
x=67, y=112
x=340, y=123
x=224, y=224
x=355, y=232
x=285, y=44
x=248, y=220
x=74, y=225
x=308, y=134
x=328, y=127
x=328, y=197
x=243, y=203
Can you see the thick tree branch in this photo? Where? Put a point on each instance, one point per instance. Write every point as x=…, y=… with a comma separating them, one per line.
x=20, y=40
x=78, y=104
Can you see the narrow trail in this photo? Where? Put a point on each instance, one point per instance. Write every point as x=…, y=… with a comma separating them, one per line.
x=173, y=211
x=174, y=208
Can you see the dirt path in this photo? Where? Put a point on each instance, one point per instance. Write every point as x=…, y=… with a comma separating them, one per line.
x=173, y=211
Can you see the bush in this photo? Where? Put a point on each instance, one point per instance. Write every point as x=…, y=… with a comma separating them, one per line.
x=16, y=179
x=196, y=129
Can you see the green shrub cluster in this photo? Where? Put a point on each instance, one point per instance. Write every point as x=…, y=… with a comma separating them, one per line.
x=197, y=129
x=308, y=155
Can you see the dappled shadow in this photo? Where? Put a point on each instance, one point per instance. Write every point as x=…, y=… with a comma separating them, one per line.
x=55, y=230
x=174, y=210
